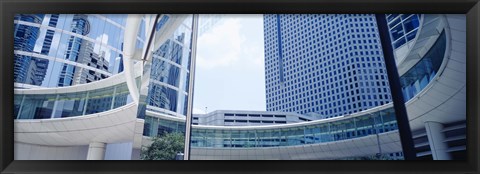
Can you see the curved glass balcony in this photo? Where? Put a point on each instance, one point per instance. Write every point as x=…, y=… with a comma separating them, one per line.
x=61, y=105
x=421, y=74
x=368, y=124
x=320, y=131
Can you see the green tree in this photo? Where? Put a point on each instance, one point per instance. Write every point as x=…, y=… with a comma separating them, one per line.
x=164, y=147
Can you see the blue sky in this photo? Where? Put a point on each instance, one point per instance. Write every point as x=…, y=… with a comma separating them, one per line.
x=230, y=73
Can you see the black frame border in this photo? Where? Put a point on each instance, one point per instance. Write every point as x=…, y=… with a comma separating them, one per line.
x=10, y=7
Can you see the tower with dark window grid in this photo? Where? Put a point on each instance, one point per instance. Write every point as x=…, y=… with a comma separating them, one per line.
x=324, y=64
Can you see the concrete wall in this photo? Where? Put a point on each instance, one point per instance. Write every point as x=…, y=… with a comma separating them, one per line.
x=119, y=151
x=24, y=151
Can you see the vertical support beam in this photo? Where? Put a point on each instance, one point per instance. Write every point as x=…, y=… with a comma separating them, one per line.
x=395, y=87
x=113, y=97
x=435, y=139
x=86, y=103
x=130, y=38
x=21, y=107
x=377, y=132
x=54, y=106
x=329, y=133
x=355, y=130
x=188, y=122
x=96, y=151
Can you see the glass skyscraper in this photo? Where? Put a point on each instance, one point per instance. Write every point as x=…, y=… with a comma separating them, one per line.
x=27, y=69
x=324, y=64
x=53, y=50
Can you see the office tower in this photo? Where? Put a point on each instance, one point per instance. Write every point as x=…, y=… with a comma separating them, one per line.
x=27, y=69
x=324, y=64
x=89, y=57
x=66, y=49
x=80, y=26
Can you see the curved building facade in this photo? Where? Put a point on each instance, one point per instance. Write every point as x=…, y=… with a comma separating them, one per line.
x=84, y=84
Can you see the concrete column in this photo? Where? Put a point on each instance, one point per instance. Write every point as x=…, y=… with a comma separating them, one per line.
x=435, y=139
x=96, y=151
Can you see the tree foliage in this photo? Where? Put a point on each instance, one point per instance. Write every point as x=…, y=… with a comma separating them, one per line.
x=164, y=147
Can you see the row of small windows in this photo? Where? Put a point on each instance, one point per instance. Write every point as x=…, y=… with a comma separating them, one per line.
x=332, y=99
x=320, y=34
x=255, y=115
x=255, y=121
x=332, y=80
x=291, y=64
x=359, y=87
x=333, y=112
x=298, y=19
x=325, y=47
x=298, y=99
x=331, y=66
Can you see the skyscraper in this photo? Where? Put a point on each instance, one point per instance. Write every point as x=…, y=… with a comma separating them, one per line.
x=324, y=64
x=81, y=26
x=27, y=69
x=54, y=50
x=89, y=57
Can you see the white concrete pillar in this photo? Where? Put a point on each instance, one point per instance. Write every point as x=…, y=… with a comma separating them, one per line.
x=435, y=139
x=96, y=151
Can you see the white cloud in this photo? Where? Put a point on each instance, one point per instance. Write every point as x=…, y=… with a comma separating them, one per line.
x=98, y=49
x=229, y=56
x=221, y=46
x=198, y=111
x=254, y=54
